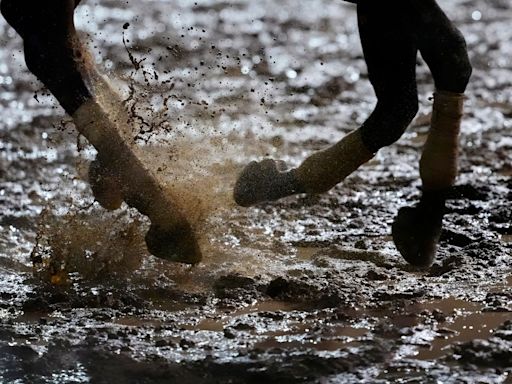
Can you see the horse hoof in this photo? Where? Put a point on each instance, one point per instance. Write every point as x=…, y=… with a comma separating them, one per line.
x=179, y=245
x=416, y=234
x=105, y=186
x=266, y=180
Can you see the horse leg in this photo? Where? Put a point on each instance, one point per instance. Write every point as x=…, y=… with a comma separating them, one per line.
x=444, y=49
x=51, y=46
x=54, y=54
x=390, y=53
x=416, y=230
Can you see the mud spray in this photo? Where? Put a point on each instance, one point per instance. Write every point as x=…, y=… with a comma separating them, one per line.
x=195, y=158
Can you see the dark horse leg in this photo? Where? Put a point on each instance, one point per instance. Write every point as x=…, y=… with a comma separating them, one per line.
x=391, y=34
x=54, y=54
x=416, y=230
x=390, y=53
x=50, y=45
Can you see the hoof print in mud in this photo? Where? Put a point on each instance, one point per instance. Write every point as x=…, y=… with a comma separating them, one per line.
x=179, y=245
x=416, y=234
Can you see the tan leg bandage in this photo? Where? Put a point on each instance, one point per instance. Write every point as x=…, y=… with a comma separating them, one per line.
x=103, y=121
x=100, y=127
x=324, y=169
x=138, y=183
x=438, y=164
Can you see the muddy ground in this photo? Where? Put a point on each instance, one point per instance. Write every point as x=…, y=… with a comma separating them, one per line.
x=310, y=289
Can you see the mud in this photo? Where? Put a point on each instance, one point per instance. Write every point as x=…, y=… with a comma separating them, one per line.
x=310, y=289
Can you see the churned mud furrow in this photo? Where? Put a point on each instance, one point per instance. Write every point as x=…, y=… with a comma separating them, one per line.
x=308, y=289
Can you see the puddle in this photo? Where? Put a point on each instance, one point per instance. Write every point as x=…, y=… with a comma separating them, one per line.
x=306, y=253
x=506, y=238
x=462, y=321
x=465, y=322
x=339, y=338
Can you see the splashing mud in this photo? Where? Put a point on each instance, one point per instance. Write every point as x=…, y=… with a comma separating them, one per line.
x=89, y=243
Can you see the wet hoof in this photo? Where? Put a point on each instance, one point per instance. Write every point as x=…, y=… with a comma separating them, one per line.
x=266, y=180
x=179, y=245
x=105, y=186
x=416, y=233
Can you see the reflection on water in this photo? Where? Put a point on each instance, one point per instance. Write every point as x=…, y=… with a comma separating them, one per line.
x=465, y=321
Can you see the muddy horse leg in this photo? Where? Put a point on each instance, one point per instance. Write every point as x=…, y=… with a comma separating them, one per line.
x=416, y=230
x=54, y=54
x=444, y=50
x=390, y=53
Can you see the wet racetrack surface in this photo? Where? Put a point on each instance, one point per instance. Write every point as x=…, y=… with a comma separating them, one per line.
x=304, y=290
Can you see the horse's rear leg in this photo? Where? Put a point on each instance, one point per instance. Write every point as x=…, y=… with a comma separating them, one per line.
x=54, y=54
x=390, y=53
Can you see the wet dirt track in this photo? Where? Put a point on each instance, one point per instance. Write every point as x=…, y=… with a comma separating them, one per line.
x=309, y=289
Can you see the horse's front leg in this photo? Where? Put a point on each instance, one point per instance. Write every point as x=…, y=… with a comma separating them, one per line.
x=51, y=46
x=55, y=55
x=390, y=52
